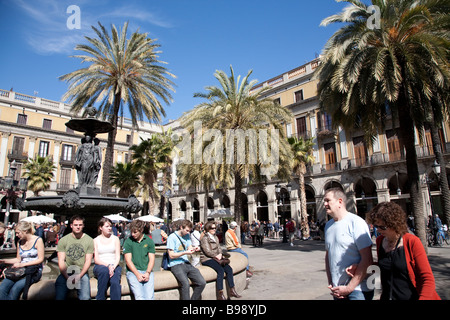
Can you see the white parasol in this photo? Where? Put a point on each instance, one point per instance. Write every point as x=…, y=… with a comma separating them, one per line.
x=150, y=218
x=116, y=218
x=39, y=219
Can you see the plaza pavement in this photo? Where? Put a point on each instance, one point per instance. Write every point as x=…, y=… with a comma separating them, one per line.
x=282, y=272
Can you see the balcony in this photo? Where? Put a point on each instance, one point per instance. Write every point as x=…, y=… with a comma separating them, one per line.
x=67, y=161
x=20, y=156
x=331, y=167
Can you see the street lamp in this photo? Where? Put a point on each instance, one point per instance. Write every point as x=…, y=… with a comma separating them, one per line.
x=399, y=191
x=436, y=168
x=281, y=204
x=8, y=187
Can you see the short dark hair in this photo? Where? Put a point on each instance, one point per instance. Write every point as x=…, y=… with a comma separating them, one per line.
x=137, y=225
x=337, y=193
x=209, y=224
x=185, y=223
x=76, y=217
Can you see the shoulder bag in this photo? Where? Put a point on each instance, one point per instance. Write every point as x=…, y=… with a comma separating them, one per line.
x=14, y=274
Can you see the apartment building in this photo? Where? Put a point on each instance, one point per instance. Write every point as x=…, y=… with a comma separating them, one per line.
x=368, y=173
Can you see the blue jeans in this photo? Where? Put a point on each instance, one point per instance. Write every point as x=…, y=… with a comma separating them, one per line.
x=84, y=289
x=242, y=252
x=11, y=290
x=359, y=295
x=104, y=280
x=220, y=273
x=141, y=290
x=185, y=271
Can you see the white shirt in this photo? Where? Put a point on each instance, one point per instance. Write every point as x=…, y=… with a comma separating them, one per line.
x=343, y=241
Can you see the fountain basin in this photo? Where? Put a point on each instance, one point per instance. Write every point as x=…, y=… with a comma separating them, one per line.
x=166, y=285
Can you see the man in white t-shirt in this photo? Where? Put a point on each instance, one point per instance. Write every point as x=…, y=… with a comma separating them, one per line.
x=347, y=243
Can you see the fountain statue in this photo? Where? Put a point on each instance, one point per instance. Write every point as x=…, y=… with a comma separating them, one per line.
x=84, y=200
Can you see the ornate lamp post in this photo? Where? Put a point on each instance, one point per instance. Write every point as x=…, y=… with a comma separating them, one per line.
x=9, y=186
x=281, y=202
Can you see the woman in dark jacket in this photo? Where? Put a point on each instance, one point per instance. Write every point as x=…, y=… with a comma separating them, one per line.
x=213, y=258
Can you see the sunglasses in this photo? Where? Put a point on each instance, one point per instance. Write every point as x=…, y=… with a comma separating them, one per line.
x=384, y=228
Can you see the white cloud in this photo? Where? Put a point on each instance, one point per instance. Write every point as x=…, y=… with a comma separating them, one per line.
x=46, y=31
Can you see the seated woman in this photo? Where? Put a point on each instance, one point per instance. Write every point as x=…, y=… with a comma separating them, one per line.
x=107, y=257
x=212, y=257
x=30, y=254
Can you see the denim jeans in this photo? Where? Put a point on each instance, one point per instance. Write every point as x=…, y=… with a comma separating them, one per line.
x=11, y=290
x=220, y=273
x=141, y=290
x=185, y=271
x=83, y=291
x=359, y=295
x=242, y=252
x=101, y=272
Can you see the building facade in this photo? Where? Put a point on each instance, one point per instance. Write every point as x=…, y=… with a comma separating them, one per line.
x=368, y=173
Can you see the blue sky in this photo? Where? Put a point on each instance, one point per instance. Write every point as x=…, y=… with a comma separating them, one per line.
x=197, y=38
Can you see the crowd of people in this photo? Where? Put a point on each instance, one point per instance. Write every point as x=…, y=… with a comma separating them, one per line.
x=188, y=248
x=405, y=271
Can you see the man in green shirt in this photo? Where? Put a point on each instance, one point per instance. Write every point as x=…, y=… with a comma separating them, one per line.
x=139, y=253
x=75, y=252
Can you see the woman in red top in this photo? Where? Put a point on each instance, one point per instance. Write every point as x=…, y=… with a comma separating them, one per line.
x=405, y=271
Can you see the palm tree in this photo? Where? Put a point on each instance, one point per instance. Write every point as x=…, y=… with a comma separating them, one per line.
x=39, y=173
x=126, y=178
x=121, y=72
x=199, y=176
x=233, y=108
x=367, y=73
x=303, y=155
x=151, y=156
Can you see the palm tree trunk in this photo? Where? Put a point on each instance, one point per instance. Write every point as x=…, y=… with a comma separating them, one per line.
x=443, y=182
x=109, y=154
x=407, y=131
x=237, y=199
x=303, y=210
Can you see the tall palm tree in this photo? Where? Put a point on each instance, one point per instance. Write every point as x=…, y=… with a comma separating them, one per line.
x=126, y=178
x=303, y=155
x=39, y=173
x=368, y=72
x=235, y=108
x=121, y=72
x=151, y=156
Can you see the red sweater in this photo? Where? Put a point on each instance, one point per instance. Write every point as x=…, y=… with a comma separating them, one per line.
x=419, y=269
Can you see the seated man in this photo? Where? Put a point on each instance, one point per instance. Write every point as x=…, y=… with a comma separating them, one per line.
x=233, y=245
x=179, y=246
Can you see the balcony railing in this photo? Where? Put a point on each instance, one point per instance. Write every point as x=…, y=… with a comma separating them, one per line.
x=331, y=167
x=17, y=155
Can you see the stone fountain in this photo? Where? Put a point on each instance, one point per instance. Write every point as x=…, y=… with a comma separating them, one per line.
x=84, y=200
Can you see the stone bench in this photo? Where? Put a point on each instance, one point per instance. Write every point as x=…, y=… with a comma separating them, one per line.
x=166, y=285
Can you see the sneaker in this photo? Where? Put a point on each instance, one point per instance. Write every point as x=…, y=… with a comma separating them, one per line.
x=292, y=244
x=249, y=274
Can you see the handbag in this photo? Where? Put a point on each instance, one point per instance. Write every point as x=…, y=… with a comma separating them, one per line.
x=14, y=274
x=223, y=262
x=165, y=261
